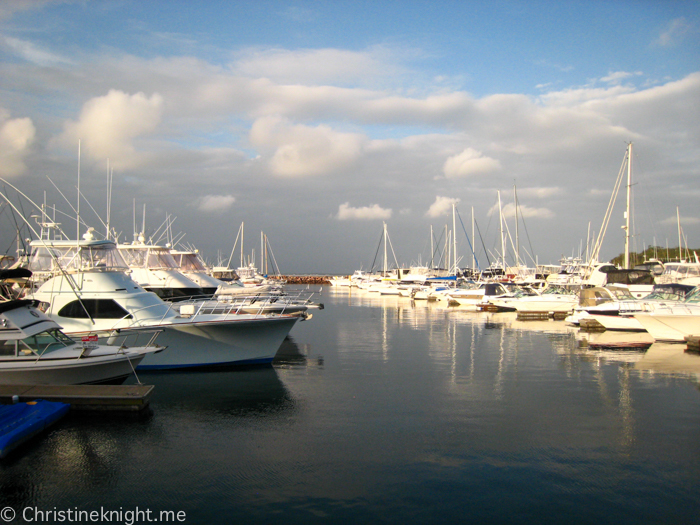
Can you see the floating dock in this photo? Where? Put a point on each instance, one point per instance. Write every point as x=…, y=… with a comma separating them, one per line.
x=22, y=421
x=130, y=398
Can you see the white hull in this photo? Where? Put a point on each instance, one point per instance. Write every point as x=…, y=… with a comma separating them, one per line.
x=618, y=322
x=670, y=327
x=68, y=371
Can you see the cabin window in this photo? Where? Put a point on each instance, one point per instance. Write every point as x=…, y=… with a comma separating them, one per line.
x=98, y=309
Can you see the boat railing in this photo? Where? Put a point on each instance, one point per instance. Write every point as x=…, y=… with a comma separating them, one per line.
x=257, y=304
x=128, y=338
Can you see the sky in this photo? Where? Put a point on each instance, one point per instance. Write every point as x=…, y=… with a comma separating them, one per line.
x=317, y=122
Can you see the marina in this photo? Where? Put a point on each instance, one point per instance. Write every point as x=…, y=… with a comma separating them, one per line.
x=384, y=409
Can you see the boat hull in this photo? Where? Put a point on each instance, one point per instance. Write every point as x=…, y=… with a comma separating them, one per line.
x=209, y=344
x=112, y=369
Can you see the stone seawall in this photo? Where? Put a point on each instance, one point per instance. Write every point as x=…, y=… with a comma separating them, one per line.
x=302, y=279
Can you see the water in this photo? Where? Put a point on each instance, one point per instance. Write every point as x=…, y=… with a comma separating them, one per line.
x=381, y=411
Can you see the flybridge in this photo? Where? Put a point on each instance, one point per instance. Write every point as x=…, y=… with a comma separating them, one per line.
x=87, y=255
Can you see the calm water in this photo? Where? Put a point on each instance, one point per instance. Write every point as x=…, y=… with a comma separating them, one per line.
x=386, y=412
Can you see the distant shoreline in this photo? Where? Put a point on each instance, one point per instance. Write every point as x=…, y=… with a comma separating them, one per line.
x=302, y=279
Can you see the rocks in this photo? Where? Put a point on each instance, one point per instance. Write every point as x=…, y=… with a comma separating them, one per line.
x=302, y=279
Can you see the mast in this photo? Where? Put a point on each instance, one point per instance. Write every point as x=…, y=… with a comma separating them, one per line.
x=517, y=239
x=432, y=250
x=385, y=265
x=77, y=235
x=680, y=246
x=454, y=239
x=503, y=245
x=473, y=243
x=242, y=244
x=627, y=213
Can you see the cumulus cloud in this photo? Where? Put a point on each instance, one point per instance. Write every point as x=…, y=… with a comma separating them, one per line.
x=348, y=213
x=305, y=151
x=215, y=203
x=441, y=206
x=16, y=138
x=469, y=162
x=109, y=125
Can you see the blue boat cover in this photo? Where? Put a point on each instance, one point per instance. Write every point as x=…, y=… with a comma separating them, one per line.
x=21, y=421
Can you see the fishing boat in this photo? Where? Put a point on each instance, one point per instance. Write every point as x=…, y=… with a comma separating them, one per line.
x=36, y=351
x=87, y=291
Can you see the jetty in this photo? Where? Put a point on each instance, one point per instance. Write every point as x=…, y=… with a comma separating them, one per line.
x=110, y=398
x=302, y=279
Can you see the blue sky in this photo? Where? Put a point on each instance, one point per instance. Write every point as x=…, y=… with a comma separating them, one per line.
x=317, y=121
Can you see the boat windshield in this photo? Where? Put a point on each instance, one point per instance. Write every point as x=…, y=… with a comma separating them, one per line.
x=48, y=341
x=694, y=296
x=622, y=294
x=189, y=262
x=559, y=290
x=50, y=258
x=149, y=257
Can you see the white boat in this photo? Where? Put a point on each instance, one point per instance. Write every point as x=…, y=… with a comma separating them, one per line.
x=613, y=308
x=681, y=273
x=673, y=322
x=478, y=297
x=88, y=291
x=154, y=268
x=35, y=351
x=192, y=267
x=553, y=299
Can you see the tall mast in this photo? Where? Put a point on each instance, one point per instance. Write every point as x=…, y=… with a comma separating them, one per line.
x=680, y=245
x=627, y=213
x=385, y=265
x=517, y=240
x=473, y=254
x=432, y=250
x=503, y=244
x=454, y=239
x=242, y=244
x=77, y=236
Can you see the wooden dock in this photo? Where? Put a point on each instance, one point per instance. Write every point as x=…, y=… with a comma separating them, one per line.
x=129, y=398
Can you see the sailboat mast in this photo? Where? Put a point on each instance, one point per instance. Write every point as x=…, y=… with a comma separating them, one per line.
x=473, y=242
x=517, y=239
x=627, y=213
x=385, y=265
x=454, y=239
x=680, y=246
x=503, y=244
x=432, y=250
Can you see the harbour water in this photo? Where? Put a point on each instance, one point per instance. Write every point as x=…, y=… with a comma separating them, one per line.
x=380, y=410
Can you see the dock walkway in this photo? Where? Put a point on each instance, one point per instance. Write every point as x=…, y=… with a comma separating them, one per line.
x=133, y=398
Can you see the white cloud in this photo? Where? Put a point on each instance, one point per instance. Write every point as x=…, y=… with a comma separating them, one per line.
x=469, y=162
x=441, y=206
x=618, y=76
x=525, y=212
x=685, y=221
x=108, y=126
x=315, y=66
x=32, y=53
x=540, y=193
x=215, y=203
x=674, y=32
x=16, y=138
x=346, y=212
x=305, y=151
